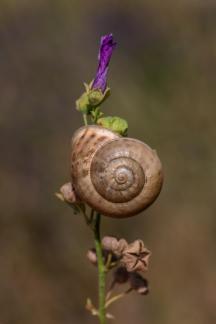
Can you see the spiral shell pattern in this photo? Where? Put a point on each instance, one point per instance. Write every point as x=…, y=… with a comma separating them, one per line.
x=116, y=176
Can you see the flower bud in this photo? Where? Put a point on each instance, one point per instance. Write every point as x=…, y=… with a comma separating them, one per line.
x=107, y=46
x=82, y=104
x=95, y=97
x=91, y=256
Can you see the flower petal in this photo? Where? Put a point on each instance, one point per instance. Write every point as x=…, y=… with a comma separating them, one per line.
x=107, y=46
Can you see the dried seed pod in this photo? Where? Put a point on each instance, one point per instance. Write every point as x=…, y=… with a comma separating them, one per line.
x=109, y=243
x=138, y=283
x=122, y=245
x=135, y=256
x=120, y=275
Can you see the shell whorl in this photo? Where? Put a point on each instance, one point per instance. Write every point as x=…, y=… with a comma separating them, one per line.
x=116, y=176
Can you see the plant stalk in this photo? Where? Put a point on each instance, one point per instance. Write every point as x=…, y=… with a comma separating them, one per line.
x=85, y=119
x=101, y=269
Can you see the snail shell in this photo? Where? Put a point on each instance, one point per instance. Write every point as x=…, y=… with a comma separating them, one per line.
x=117, y=176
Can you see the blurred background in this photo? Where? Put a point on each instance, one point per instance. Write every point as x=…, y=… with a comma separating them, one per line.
x=163, y=77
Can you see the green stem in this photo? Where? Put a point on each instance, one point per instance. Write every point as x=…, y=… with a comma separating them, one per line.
x=85, y=119
x=101, y=269
x=99, y=253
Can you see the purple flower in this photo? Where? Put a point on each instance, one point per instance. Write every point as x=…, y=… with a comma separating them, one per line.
x=107, y=46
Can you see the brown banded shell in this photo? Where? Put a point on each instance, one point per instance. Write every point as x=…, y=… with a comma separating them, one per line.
x=116, y=176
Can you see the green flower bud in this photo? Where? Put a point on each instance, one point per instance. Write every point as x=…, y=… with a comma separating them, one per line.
x=95, y=97
x=91, y=99
x=116, y=124
x=82, y=104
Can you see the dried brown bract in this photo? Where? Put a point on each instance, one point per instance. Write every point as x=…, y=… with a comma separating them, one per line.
x=114, y=245
x=121, y=275
x=110, y=243
x=122, y=245
x=138, y=283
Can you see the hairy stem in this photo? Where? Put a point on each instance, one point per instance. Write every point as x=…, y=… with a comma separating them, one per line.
x=101, y=269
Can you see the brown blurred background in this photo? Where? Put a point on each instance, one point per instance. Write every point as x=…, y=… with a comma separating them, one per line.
x=163, y=78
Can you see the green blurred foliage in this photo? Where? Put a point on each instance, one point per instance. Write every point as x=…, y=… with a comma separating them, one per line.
x=162, y=77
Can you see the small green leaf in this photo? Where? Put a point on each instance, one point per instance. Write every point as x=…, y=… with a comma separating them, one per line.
x=116, y=124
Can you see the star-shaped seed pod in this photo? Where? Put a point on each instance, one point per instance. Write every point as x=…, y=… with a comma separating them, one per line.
x=135, y=257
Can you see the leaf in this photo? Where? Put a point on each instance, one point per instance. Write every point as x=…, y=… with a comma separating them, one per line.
x=116, y=124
